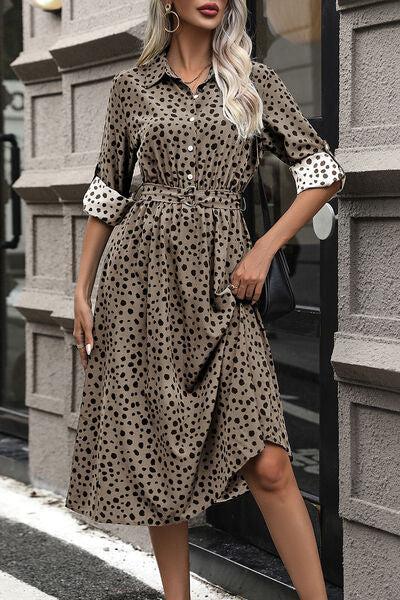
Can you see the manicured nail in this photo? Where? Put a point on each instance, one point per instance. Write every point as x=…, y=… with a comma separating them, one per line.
x=88, y=348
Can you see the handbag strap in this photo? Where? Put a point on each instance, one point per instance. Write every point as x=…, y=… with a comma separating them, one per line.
x=263, y=201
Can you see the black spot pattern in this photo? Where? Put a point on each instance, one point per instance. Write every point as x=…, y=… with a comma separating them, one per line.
x=105, y=203
x=180, y=389
x=291, y=137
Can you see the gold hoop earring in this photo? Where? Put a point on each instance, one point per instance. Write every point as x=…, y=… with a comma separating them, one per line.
x=169, y=11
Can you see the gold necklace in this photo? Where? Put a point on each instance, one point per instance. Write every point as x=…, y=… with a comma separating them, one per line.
x=197, y=76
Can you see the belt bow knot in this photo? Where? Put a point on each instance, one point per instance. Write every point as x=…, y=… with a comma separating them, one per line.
x=190, y=190
x=190, y=196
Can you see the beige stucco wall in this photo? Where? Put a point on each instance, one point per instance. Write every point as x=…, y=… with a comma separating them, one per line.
x=366, y=355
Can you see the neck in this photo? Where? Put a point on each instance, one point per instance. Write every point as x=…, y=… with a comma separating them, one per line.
x=190, y=50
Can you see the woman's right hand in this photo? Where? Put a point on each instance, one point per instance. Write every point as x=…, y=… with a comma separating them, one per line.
x=83, y=327
x=94, y=242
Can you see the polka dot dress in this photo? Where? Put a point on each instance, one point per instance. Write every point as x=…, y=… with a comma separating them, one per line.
x=180, y=389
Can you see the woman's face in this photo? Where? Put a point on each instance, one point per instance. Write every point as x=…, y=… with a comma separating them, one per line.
x=200, y=13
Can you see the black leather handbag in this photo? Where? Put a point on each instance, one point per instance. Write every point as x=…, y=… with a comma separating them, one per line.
x=277, y=297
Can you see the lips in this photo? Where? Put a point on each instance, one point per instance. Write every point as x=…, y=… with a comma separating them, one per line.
x=210, y=9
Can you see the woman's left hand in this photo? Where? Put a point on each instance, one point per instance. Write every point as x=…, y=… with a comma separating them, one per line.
x=248, y=277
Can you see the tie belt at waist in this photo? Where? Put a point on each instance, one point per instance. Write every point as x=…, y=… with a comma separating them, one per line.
x=190, y=196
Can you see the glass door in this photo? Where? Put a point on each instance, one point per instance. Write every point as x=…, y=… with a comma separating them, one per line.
x=13, y=413
x=299, y=40
x=288, y=38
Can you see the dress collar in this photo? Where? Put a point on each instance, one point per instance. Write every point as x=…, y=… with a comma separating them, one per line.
x=159, y=66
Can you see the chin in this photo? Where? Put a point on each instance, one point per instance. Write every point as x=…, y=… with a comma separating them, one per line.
x=204, y=23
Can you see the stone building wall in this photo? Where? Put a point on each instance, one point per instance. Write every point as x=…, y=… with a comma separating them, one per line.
x=366, y=355
x=67, y=64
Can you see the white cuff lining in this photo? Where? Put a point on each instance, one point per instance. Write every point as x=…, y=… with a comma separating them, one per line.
x=104, y=202
x=317, y=170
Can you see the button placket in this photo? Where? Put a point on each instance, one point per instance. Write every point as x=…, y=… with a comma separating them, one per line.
x=191, y=146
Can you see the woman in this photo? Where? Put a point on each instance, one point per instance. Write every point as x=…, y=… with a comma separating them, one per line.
x=181, y=406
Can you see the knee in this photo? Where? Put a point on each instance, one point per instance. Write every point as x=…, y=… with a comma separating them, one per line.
x=271, y=470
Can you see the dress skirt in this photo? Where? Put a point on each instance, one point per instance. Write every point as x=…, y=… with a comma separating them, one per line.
x=180, y=390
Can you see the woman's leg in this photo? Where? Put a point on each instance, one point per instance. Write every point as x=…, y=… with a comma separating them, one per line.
x=272, y=483
x=171, y=549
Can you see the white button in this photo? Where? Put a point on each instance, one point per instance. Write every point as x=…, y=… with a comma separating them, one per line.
x=191, y=119
x=195, y=95
x=190, y=148
x=190, y=176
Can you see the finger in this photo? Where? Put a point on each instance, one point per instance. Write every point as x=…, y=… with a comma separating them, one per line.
x=79, y=336
x=257, y=292
x=241, y=290
x=234, y=284
x=83, y=357
x=250, y=291
x=234, y=280
x=88, y=339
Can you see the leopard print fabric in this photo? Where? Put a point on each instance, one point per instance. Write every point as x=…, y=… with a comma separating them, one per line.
x=180, y=389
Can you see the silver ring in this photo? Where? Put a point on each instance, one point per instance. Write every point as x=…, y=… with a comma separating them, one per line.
x=233, y=287
x=80, y=345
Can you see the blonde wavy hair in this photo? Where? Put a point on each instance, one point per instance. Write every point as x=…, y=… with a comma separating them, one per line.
x=231, y=60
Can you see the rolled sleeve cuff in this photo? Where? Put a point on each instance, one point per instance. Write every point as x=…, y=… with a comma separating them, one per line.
x=321, y=169
x=104, y=202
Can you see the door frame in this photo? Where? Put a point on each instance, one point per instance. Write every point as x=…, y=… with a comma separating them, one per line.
x=12, y=422
x=331, y=522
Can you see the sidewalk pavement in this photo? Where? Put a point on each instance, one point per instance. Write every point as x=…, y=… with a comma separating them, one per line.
x=10, y=587
x=46, y=553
